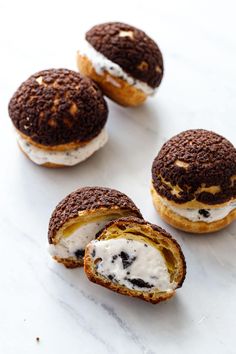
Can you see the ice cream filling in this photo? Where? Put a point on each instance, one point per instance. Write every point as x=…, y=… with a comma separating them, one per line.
x=207, y=214
x=74, y=244
x=131, y=263
x=67, y=157
x=102, y=64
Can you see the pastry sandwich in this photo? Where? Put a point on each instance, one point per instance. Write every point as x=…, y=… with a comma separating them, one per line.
x=194, y=181
x=59, y=117
x=123, y=60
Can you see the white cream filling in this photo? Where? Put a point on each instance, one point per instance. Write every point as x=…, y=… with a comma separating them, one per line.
x=78, y=240
x=102, y=64
x=132, y=263
x=206, y=215
x=68, y=157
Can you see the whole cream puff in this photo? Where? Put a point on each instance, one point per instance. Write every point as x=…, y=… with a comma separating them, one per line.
x=59, y=117
x=194, y=181
x=123, y=60
x=78, y=218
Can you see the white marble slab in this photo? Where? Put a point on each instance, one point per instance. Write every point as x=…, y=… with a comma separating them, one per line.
x=40, y=298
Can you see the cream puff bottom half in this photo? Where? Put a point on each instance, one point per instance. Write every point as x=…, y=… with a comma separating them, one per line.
x=117, y=89
x=178, y=221
x=127, y=262
x=68, y=157
x=69, y=244
x=135, y=260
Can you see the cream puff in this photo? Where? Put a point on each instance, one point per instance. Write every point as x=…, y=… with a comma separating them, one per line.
x=123, y=60
x=59, y=117
x=77, y=219
x=133, y=257
x=194, y=181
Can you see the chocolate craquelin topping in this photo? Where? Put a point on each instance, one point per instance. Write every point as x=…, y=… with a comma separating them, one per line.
x=88, y=198
x=58, y=106
x=135, y=52
x=121, y=224
x=194, y=159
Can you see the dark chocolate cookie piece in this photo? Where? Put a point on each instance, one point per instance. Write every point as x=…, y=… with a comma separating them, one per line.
x=88, y=198
x=58, y=106
x=196, y=159
x=135, y=52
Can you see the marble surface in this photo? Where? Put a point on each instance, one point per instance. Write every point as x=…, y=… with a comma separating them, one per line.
x=40, y=298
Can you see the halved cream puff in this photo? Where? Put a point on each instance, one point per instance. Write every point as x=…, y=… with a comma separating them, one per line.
x=77, y=219
x=194, y=181
x=133, y=257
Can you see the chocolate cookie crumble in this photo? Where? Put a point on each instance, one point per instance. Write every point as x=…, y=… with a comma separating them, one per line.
x=204, y=213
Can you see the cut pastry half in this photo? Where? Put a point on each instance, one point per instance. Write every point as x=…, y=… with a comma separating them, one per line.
x=78, y=218
x=135, y=258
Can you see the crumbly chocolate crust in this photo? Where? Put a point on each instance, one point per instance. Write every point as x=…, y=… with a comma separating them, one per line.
x=131, y=48
x=58, y=106
x=88, y=198
x=131, y=219
x=208, y=160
